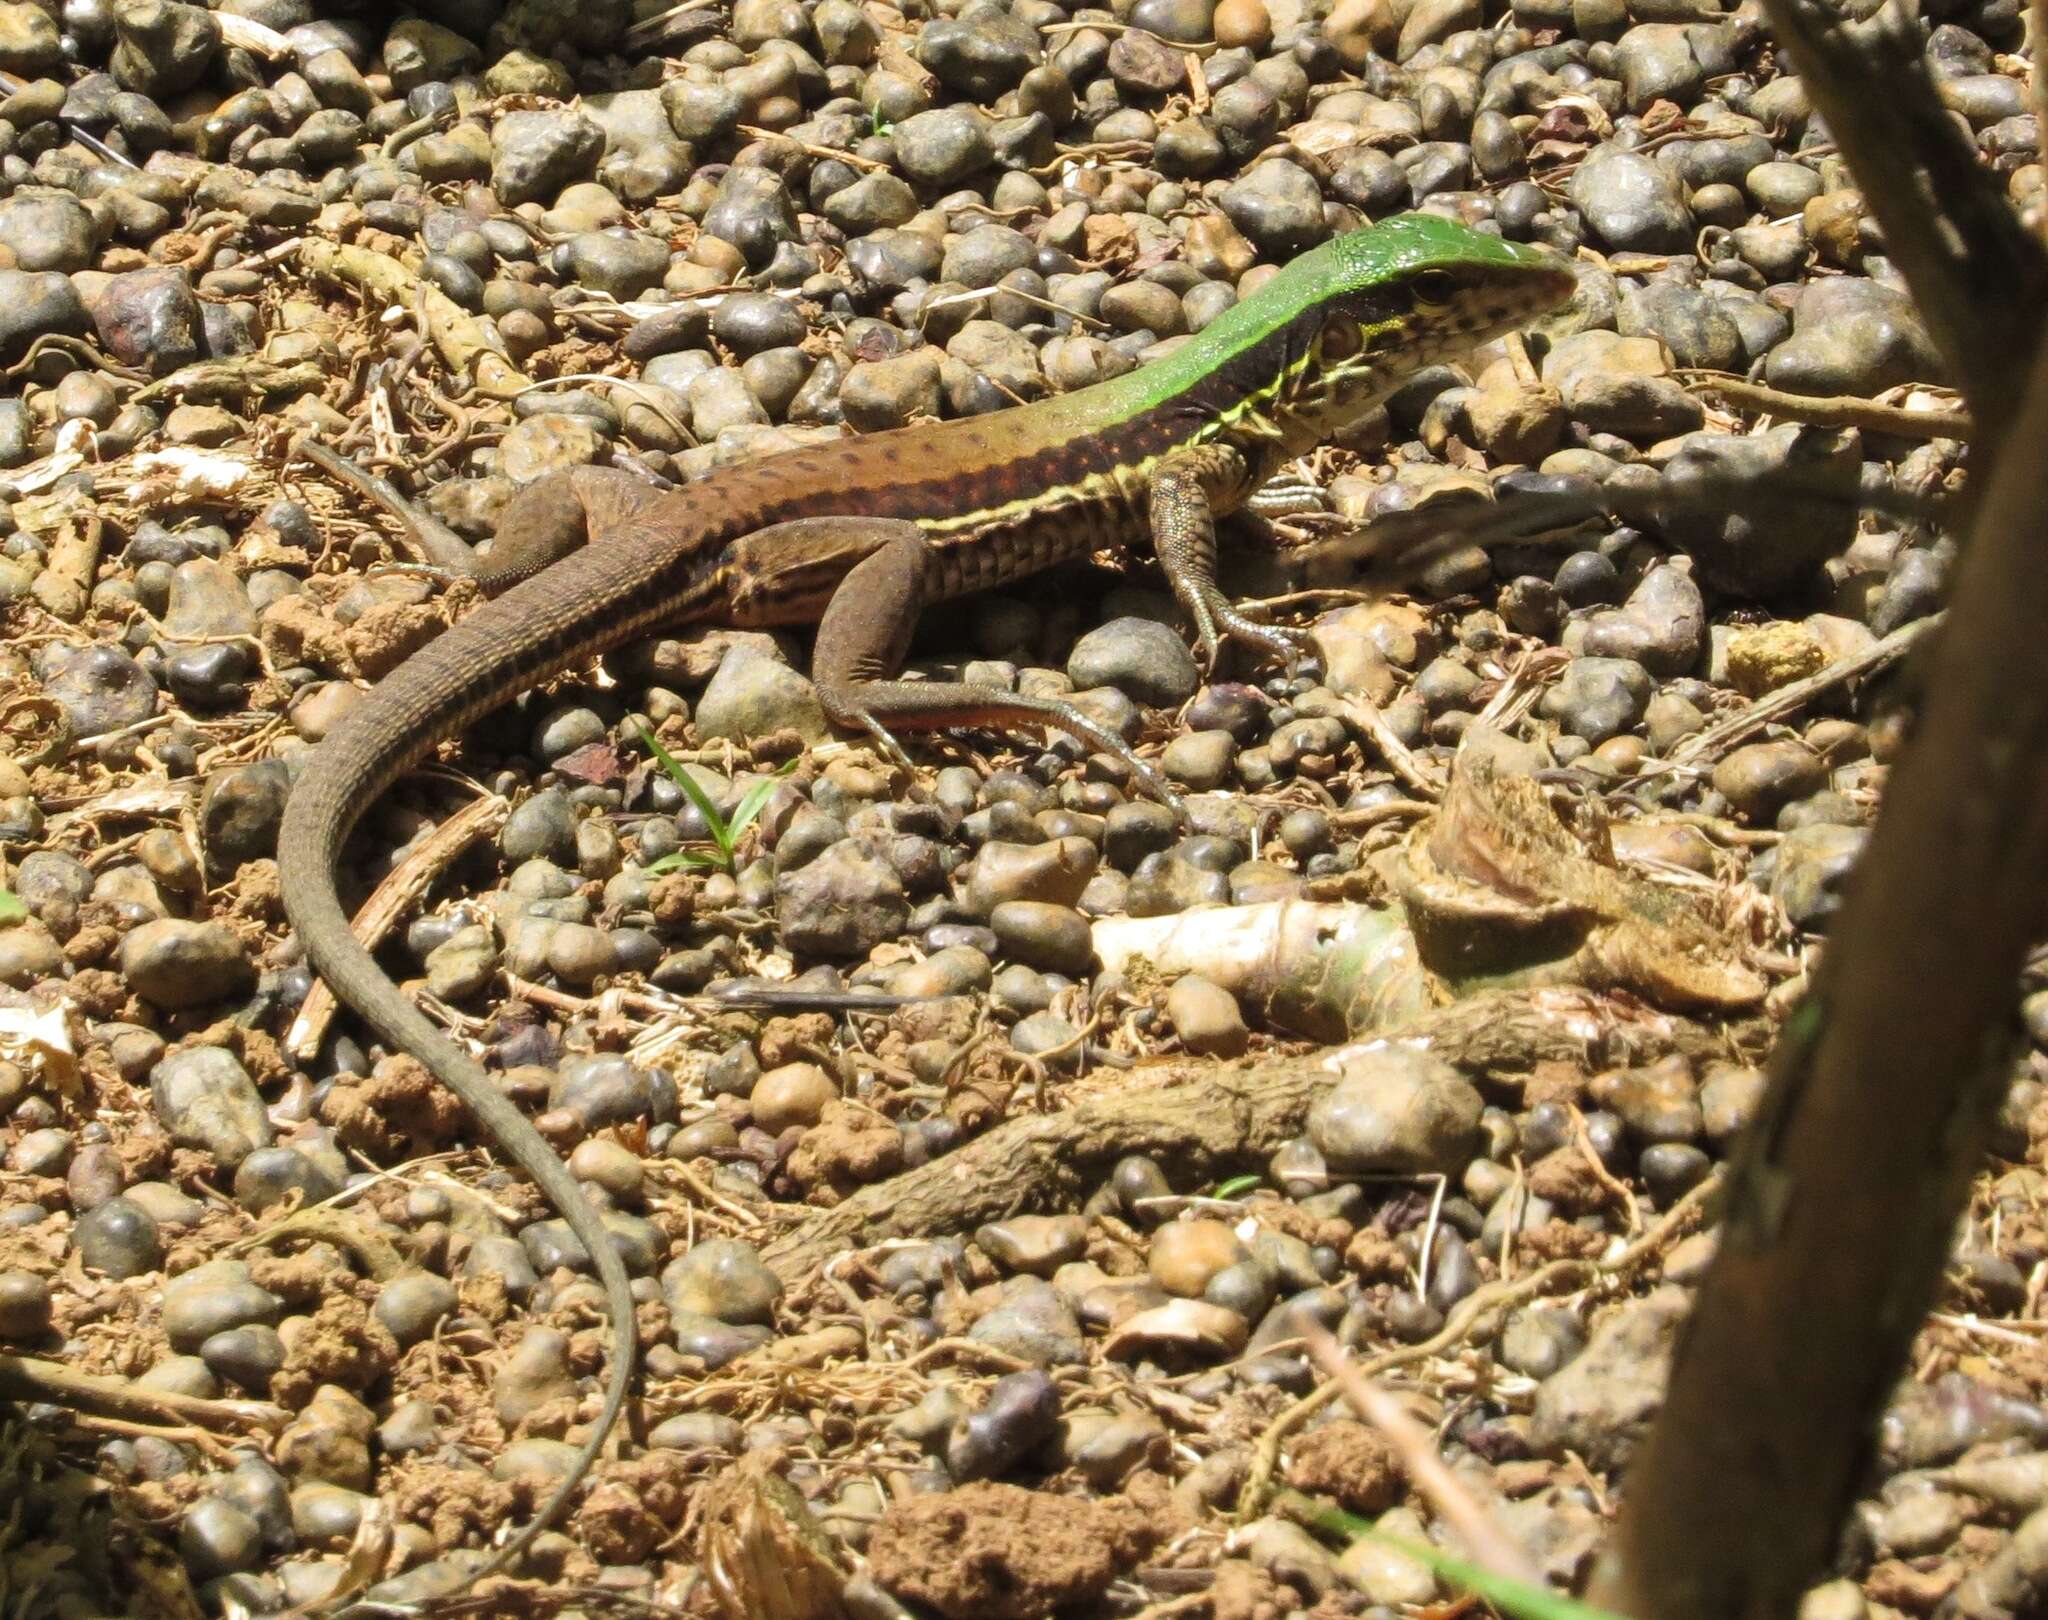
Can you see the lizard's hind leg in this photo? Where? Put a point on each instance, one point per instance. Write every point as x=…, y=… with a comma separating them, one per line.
x=864, y=636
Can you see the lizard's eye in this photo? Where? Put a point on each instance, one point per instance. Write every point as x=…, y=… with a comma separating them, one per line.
x=1341, y=338
x=1434, y=287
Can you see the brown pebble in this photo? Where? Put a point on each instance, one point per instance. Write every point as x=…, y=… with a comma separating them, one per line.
x=1663, y=844
x=1838, y=741
x=1036, y=1244
x=707, y=1138
x=794, y=1094
x=1357, y=28
x=24, y=1305
x=1055, y=939
x=1243, y=25
x=1623, y=754
x=615, y=1168
x=1186, y=1254
x=1054, y=873
x=1206, y=1017
x=1761, y=778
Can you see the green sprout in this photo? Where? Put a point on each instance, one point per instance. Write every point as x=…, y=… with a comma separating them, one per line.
x=725, y=835
x=1519, y=1600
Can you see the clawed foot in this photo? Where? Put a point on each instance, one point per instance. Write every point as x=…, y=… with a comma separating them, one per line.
x=1057, y=715
x=1284, y=643
x=892, y=750
x=1154, y=782
x=1151, y=781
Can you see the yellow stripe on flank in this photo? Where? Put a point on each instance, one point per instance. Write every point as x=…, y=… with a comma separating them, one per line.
x=1102, y=485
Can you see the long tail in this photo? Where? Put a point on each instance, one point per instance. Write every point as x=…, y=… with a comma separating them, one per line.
x=587, y=603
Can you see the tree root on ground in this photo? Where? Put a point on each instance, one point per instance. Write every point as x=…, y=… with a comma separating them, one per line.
x=1225, y=1119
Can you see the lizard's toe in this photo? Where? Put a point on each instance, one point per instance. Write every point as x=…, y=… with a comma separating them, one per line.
x=885, y=740
x=1281, y=642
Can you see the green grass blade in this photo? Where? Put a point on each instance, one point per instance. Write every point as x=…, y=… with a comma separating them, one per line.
x=696, y=860
x=756, y=801
x=1517, y=1599
x=693, y=790
x=1237, y=1186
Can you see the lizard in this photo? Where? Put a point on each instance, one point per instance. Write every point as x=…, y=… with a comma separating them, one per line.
x=857, y=536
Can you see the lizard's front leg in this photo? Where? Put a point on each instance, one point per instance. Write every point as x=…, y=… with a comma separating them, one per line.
x=552, y=516
x=542, y=523
x=1185, y=490
x=864, y=636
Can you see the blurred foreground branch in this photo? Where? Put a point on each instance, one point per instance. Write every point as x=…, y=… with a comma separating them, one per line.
x=1842, y=1204
x=1979, y=277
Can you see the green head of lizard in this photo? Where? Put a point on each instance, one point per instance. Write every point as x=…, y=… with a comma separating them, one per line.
x=1339, y=328
x=1405, y=294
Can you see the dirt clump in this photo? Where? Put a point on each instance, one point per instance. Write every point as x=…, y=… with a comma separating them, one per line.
x=1349, y=1462
x=999, y=1552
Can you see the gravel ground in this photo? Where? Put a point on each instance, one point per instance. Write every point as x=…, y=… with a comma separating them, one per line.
x=293, y=1334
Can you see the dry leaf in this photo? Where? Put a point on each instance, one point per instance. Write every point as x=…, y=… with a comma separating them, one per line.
x=765, y=1555
x=182, y=474
x=40, y=1040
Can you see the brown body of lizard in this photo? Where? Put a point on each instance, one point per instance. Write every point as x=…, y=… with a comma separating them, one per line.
x=857, y=536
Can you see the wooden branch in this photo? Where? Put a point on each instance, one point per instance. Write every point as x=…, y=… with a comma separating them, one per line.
x=30, y=1378
x=1208, y=1127
x=1979, y=278
x=1843, y=1202
x=1831, y=410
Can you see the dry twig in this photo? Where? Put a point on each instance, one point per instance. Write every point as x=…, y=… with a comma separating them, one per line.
x=1363, y=713
x=1489, y=1544
x=1833, y=410
x=30, y=1378
x=469, y=349
x=1704, y=747
x=1481, y=1305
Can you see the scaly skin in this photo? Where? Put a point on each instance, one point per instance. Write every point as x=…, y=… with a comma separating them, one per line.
x=942, y=509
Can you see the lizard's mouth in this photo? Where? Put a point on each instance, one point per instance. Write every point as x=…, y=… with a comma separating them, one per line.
x=1516, y=301
x=1549, y=286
